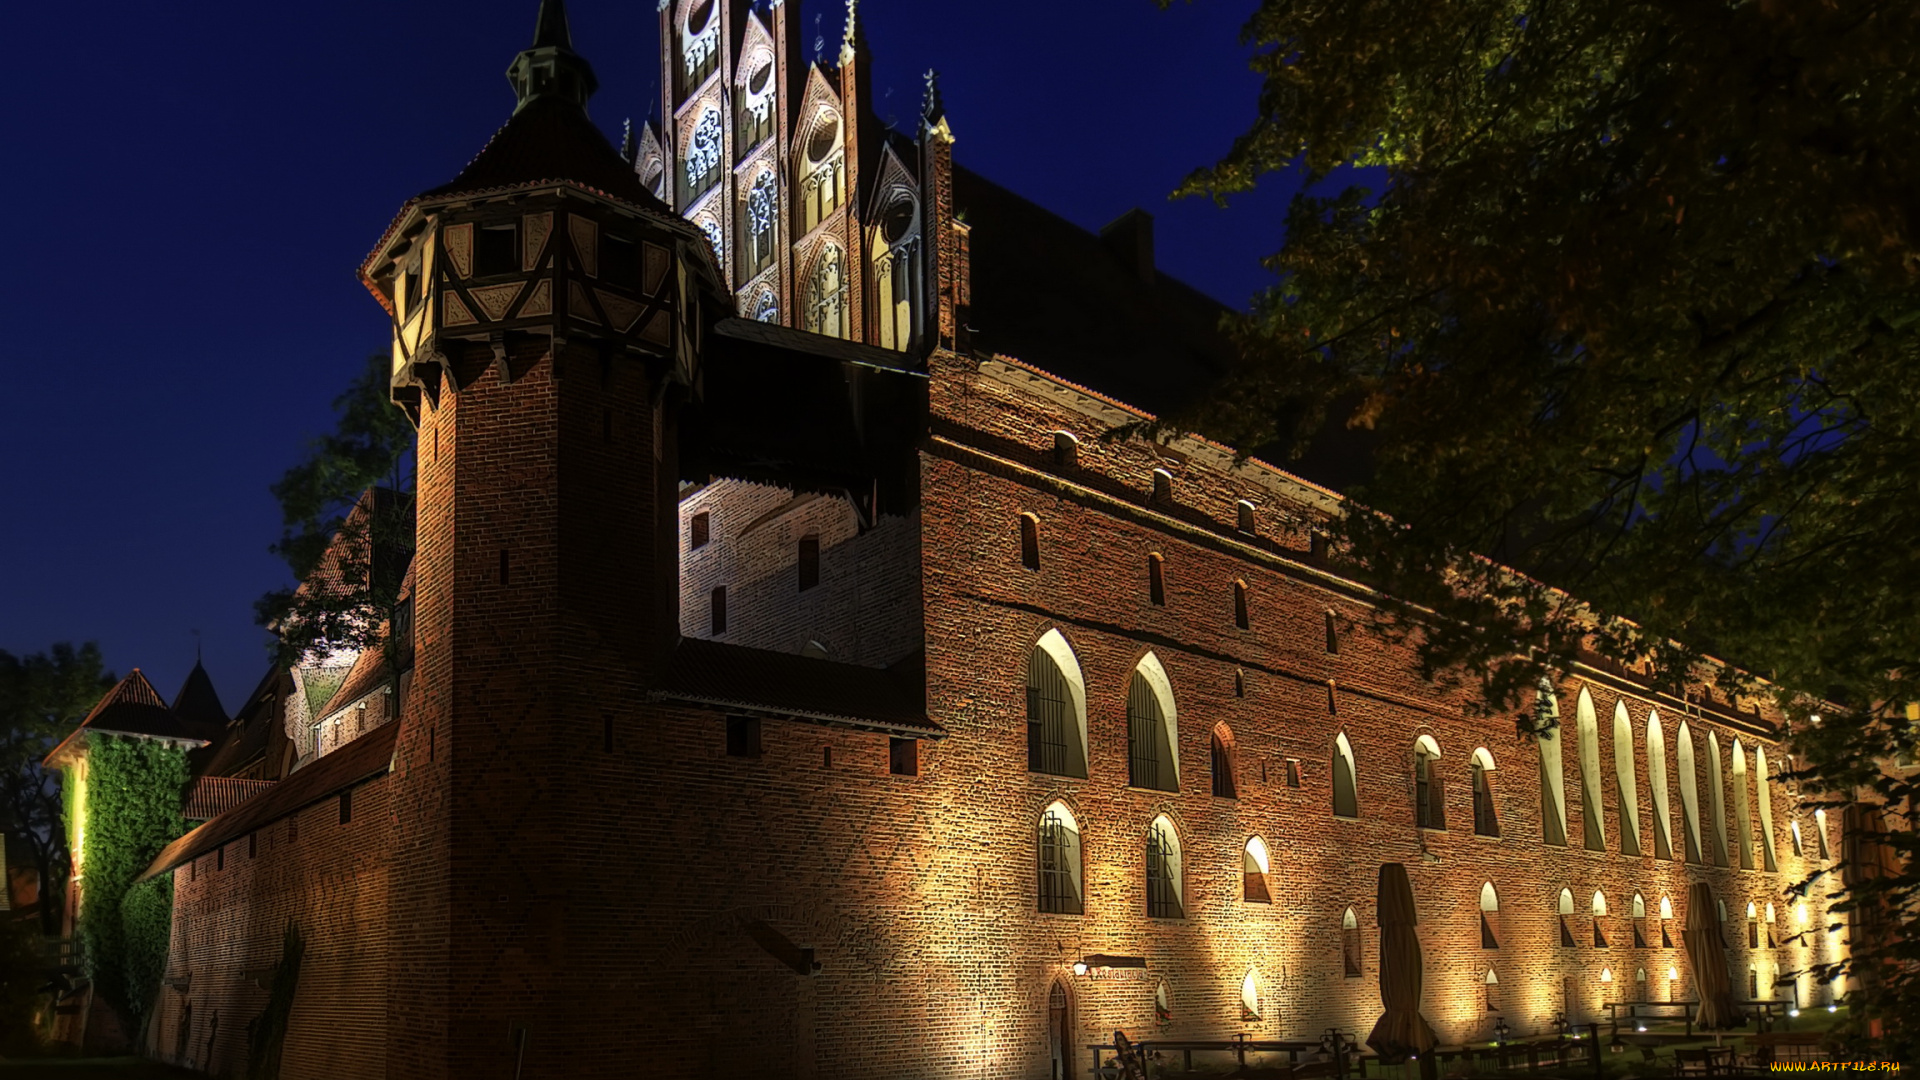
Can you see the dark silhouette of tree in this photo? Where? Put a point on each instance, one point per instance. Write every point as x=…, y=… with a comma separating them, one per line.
x=42, y=697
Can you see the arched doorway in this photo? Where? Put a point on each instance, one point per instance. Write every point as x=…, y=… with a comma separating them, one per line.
x=1059, y=1033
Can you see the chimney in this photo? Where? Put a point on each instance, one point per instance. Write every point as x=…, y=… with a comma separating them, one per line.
x=1130, y=238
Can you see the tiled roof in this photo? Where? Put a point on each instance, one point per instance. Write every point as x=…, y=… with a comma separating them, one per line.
x=369, y=755
x=550, y=139
x=247, y=735
x=211, y=796
x=368, y=674
x=781, y=684
x=132, y=707
x=833, y=348
x=198, y=705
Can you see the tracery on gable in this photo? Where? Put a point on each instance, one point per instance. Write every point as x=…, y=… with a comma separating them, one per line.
x=753, y=99
x=826, y=310
x=759, y=224
x=711, y=228
x=823, y=173
x=699, y=41
x=897, y=269
x=766, y=307
x=702, y=154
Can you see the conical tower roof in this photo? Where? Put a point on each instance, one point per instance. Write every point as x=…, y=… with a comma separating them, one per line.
x=197, y=705
x=132, y=707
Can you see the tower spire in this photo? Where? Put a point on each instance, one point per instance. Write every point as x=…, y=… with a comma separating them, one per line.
x=932, y=108
x=550, y=67
x=852, y=35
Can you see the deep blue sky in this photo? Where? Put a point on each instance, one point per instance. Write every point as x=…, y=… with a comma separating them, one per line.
x=191, y=187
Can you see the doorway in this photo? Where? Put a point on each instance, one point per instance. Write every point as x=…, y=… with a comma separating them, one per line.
x=1059, y=1033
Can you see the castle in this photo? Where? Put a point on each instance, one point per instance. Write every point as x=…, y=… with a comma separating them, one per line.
x=797, y=684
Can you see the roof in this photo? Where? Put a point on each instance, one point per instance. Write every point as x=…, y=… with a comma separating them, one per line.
x=782, y=684
x=198, y=706
x=250, y=729
x=368, y=674
x=367, y=756
x=132, y=707
x=211, y=796
x=550, y=140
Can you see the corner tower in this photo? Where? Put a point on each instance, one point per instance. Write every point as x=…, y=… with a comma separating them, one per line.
x=548, y=315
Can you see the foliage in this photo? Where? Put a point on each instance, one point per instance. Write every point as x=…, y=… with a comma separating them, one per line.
x=22, y=974
x=1635, y=315
x=347, y=528
x=42, y=697
x=133, y=810
x=267, y=1033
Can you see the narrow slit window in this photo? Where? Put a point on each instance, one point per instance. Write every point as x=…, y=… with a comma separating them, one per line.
x=719, y=602
x=1485, y=821
x=809, y=562
x=1293, y=772
x=506, y=567
x=346, y=807
x=1156, y=579
x=1350, y=944
x=1333, y=636
x=1240, y=604
x=1346, y=798
x=1029, y=541
x=1223, y=786
x=1492, y=983
x=1256, y=862
x=1566, y=919
x=1489, y=917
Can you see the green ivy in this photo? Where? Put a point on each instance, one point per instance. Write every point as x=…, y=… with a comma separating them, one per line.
x=133, y=810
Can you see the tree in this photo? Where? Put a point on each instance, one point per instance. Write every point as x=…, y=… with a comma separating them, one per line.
x=347, y=528
x=42, y=697
x=1633, y=318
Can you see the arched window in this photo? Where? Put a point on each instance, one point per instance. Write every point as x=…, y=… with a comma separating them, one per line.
x=1689, y=794
x=1626, y=789
x=1599, y=912
x=1820, y=832
x=1429, y=793
x=1250, y=995
x=1485, y=821
x=1717, y=798
x=1666, y=923
x=1162, y=486
x=1657, y=776
x=1066, y=450
x=699, y=43
x=1492, y=984
x=822, y=170
x=1240, y=604
x=1156, y=579
x=1243, y=516
x=1742, y=808
x=753, y=103
x=1255, y=863
x=1765, y=789
x=1162, y=1006
x=1638, y=912
x=1489, y=915
x=1640, y=985
x=1553, y=796
x=1350, y=944
x=1793, y=831
x=826, y=311
x=1029, y=541
x=1056, y=709
x=1772, y=942
x=1153, y=756
x=1588, y=730
x=766, y=309
x=1566, y=919
x=1333, y=635
x=897, y=270
x=1223, y=785
x=1346, y=796
x=1060, y=863
x=760, y=220
x=703, y=156
x=1164, y=892
x=1753, y=925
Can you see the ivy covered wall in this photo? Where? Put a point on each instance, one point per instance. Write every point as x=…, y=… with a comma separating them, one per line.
x=133, y=792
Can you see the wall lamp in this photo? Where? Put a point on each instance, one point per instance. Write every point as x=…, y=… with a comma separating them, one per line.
x=1099, y=965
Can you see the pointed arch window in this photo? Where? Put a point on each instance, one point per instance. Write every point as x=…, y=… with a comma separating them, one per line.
x=1489, y=917
x=1492, y=984
x=827, y=293
x=1250, y=995
x=1553, y=801
x=1223, y=786
x=1666, y=923
x=1429, y=792
x=897, y=270
x=1657, y=780
x=1689, y=793
x=1599, y=912
x=1772, y=942
x=1742, y=808
x=1255, y=864
x=1346, y=796
x=767, y=308
x=1164, y=899
x=822, y=170
x=761, y=221
x=1793, y=831
x=1060, y=862
x=703, y=157
x=1764, y=788
x=1626, y=788
x=1588, y=732
x=1566, y=919
x=1152, y=724
x=753, y=103
x=1717, y=798
x=1485, y=821
x=699, y=43
x=1162, y=1005
x=1638, y=912
x=1056, y=709
x=1753, y=925
x=1350, y=944
x=1820, y=832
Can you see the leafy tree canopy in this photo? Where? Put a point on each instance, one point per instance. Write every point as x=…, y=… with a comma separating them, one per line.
x=42, y=697
x=348, y=549
x=1633, y=313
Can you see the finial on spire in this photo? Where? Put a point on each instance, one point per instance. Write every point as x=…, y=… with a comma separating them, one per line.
x=932, y=108
x=852, y=35
x=626, y=140
x=550, y=66
x=819, y=41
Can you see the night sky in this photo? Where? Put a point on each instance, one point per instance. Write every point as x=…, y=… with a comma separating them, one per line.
x=192, y=186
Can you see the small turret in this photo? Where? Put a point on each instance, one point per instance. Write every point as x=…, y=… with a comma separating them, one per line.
x=550, y=67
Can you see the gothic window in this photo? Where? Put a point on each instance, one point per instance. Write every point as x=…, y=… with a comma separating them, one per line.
x=1066, y=450
x=1657, y=777
x=897, y=272
x=1056, y=709
x=1350, y=944
x=1223, y=786
x=1162, y=1007
x=1553, y=801
x=1566, y=919
x=1626, y=787
x=1742, y=809
x=1820, y=832
x=1599, y=912
x=1429, y=793
x=699, y=43
x=1718, y=800
x=1485, y=821
x=1250, y=995
x=827, y=293
x=1639, y=914
x=1346, y=796
x=1243, y=513
x=712, y=230
x=1764, y=788
x=1772, y=942
x=1152, y=760
x=703, y=157
x=760, y=225
x=1588, y=732
x=1162, y=486
x=1489, y=916
x=1060, y=867
x=1689, y=793
x=766, y=309
x=1164, y=899
x=1793, y=830
x=1492, y=983
x=753, y=109
x=823, y=172
x=1256, y=862
x=1666, y=923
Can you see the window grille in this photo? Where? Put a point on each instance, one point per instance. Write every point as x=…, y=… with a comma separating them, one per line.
x=1163, y=892
x=1059, y=857
x=1053, y=736
x=1484, y=821
x=1147, y=755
